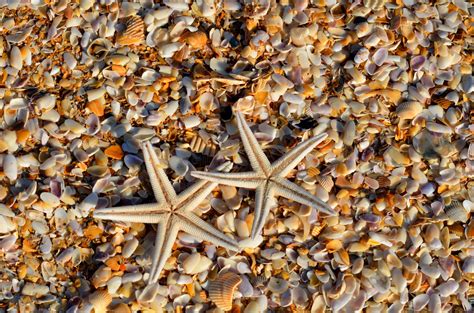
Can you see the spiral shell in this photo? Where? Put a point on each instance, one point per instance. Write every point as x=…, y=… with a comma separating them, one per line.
x=222, y=290
x=134, y=32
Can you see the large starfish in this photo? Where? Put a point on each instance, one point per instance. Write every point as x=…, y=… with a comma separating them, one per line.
x=172, y=213
x=268, y=179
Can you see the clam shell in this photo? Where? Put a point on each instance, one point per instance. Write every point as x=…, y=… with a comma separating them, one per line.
x=134, y=32
x=409, y=110
x=100, y=300
x=456, y=212
x=221, y=290
x=10, y=167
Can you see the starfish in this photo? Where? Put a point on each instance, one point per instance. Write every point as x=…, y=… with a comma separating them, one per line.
x=172, y=213
x=268, y=179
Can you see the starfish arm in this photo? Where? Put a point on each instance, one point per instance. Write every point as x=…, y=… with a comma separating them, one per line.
x=162, y=188
x=264, y=199
x=285, y=188
x=248, y=180
x=190, y=198
x=141, y=213
x=288, y=161
x=194, y=225
x=257, y=158
x=166, y=233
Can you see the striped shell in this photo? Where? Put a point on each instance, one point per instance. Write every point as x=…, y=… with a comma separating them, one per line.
x=409, y=110
x=221, y=290
x=326, y=182
x=100, y=300
x=456, y=212
x=374, y=4
x=134, y=32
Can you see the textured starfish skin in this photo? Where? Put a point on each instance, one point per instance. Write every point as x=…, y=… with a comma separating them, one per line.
x=268, y=179
x=172, y=213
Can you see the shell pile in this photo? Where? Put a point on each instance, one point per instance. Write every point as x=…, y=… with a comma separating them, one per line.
x=82, y=83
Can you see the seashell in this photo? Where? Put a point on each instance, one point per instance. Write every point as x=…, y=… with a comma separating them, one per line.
x=134, y=32
x=380, y=56
x=197, y=40
x=374, y=4
x=420, y=301
x=8, y=242
x=196, y=263
x=114, y=152
x=456, y=212
x=101, y=276
x=409, y=110
x=417, y=62
x=46, y=103
x=468, y=265
x=221, y=290
x=326, y=182
x=434, y=304
x=448, y=288
x=100, y=300
x=34, y=290
x=438, y=128
x=121, y=308
x=99, y=49
x=129, y=247
x=300, y=297
x=10, y=167
x=191, y=121
x=349, y=133
x=50, y=199
x=277, y=285
x=16, y=60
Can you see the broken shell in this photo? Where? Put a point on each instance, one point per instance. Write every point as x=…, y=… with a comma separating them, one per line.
x=409, y=110
x=221, y=290
x=134, y=32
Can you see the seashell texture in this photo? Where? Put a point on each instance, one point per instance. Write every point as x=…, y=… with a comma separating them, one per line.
x=134, y=32
x=100, y=300
x=456, y=212
x=221, y=290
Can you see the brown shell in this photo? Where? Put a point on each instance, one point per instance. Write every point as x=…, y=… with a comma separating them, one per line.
x=374, y=4
x=134, y=32
x=100, y=299
x=221, y=290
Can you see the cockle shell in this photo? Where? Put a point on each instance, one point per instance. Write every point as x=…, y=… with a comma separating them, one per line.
x=100, y=300
x=456, y=212
x=134, y=32
x=221, y=290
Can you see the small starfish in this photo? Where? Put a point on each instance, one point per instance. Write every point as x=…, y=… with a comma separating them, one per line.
x=172, y=213
x=268, y=179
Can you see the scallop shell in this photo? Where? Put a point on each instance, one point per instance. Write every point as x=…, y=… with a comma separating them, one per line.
x=134, y=32
x=221, y=290
x=326, y=182
x=100, y=300
x=456, y=212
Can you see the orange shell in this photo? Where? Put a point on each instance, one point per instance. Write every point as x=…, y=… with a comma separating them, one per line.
x=221, y=290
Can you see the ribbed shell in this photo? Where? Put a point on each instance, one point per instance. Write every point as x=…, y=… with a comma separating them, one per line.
x=374, y=4
x=134, y=32
x=221, y=290
x=326, y=182
x=100, y=300
x=456, y=212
